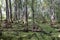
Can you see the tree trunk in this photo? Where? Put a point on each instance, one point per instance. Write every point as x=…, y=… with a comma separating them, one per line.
x=34, y=27
x=33, y=11
x=52, y=14
x=25, y=13
x=10, y=10
x=15, y=14
x=7, y=23
x=25, y=16
x=7, y=11
x=18, y=9
x=0, y=14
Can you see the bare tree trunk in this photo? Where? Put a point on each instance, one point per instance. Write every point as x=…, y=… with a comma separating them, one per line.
x=10, y=10
x=0, y=23
x=15, y=14
x=25, y=13
x=1, y=14
x=18, y=9
x=7, y=11
x=34, y=27
x=7, y=23
x=52, y=14
x=25, y=16
x=33, y=11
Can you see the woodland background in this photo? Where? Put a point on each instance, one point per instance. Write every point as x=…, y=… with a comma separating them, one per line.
x=29, y=19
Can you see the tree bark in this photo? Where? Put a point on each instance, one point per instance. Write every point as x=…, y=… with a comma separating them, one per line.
x=52, y=14
x=10, y=10
x=25, y=16
x=33, y=11
x=1, y=14
x=15, y=14
x=7, y=11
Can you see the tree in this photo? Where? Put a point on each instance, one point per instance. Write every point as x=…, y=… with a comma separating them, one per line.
x=25, y=15
x=15, y=7
x=33, y=12
x=7, y=11
x=19, y=9
x=52, y=13
x=10, y=7
x=0, y=14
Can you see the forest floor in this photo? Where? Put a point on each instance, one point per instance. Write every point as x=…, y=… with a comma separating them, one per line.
x=50, y=33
